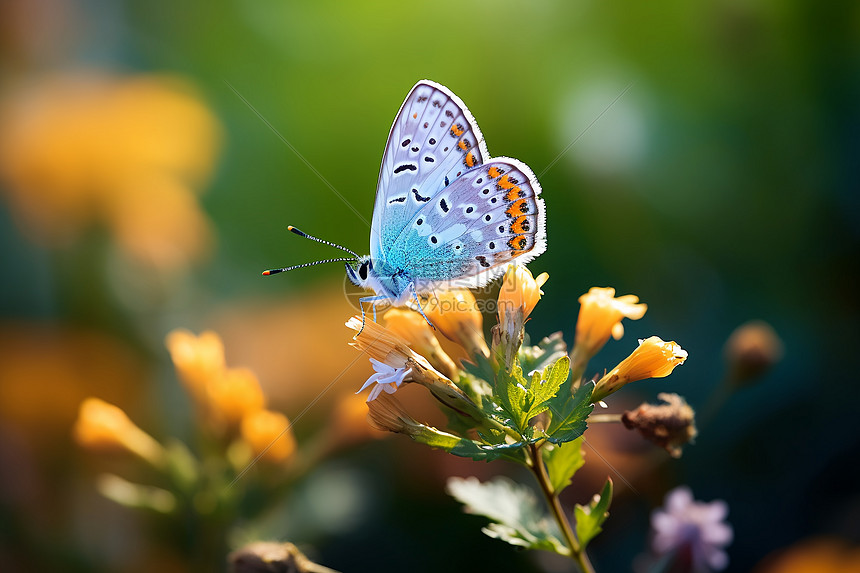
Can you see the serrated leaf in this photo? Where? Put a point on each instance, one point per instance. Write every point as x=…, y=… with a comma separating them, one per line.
x=518, y=517
x=545, y=386
x=590, y=518
x=569, y=413
x=511, y=395
x=547, y=352
x=562, y=461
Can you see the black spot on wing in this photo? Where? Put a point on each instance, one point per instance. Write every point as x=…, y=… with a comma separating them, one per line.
x=397, y=200
x=443, y=205
x=419, y=197
x=405, y=167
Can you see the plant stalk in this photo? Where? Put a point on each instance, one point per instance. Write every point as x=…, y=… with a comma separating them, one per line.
x=576, y=552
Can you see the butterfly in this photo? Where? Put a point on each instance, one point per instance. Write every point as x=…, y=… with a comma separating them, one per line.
x=446, y=214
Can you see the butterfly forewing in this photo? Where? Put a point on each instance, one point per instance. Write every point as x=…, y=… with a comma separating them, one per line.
x=470, y=230
x=433, y=141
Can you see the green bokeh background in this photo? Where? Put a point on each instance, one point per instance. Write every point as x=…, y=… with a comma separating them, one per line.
x=721, y=186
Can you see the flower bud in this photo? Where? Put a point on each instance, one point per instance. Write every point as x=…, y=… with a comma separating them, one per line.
x=271, y=557
x=269, y=434
x=198, y=359
x=751, y=350
x=518, y=295
x=102, y=425
x=234, y=394
x=669, y=425
x=413, y=328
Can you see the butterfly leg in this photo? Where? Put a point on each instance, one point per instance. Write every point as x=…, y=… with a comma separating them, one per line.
x=372, y=300
x=418, y=305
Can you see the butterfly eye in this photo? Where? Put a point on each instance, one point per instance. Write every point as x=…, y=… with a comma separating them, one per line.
x=362, y=271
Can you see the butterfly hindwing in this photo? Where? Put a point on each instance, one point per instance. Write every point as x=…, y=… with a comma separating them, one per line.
x=469, y=231
x=433, y=141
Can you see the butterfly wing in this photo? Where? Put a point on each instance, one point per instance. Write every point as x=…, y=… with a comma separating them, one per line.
x=467, y=234
x=433, y=141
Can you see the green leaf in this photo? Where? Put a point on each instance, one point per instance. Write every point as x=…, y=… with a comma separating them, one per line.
x=546, y=385
x=512, y=396
x=569, y=413
x=518, y=518
x=590, y=518
x=562, y=461
x=481, y=368
x=548, y=351
x=466, y=448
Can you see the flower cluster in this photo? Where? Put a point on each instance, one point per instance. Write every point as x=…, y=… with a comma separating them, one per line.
x=510, y=399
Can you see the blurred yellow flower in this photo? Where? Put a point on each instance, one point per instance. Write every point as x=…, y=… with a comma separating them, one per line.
x=233, y=396
x=457, y=316
x=520, y=291
x=198, y=359
x=269, y=435
x=816, y=555
x=411, y=326
x=600, y=317
x=653, y=358
x=128, y=152
x=104, y=426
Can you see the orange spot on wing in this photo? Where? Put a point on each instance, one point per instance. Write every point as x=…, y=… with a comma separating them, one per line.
x=513, y=193
x=504, y=183
x=470, y=159
x=518, y=243
x=521, y=225
x=462, y=145
x=414, y=116
x=494, y=172
x=457, y=130
x=518, y=208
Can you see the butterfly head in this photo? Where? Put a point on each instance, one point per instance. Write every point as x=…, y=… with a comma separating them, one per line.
x=360, y=274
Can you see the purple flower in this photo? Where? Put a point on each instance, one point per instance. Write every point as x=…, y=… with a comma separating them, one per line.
x=690, y=535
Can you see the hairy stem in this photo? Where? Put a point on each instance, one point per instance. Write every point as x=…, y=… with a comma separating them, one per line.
x=576, y=552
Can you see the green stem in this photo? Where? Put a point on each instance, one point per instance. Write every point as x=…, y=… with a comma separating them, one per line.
x=576, y=551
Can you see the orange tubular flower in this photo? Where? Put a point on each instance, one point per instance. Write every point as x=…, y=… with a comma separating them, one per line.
x=268, y=434
x=411, y=327
x=198, y=359
x=234, y=395
x=455, y=313
x=104, y=426
x=600, y=317
x=519, y=292
x=653, y=358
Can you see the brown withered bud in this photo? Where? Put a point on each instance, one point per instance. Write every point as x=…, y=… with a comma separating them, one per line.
x=669, y=425
x=271, y=557
x=751, y=350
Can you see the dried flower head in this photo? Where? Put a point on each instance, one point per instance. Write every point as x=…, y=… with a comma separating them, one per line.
x=691, y=533
x=271, y=557
x=456, y=314
x=751, y=350
x=600, y=316
x=653, y=358
x=198, y=359
x=387, y=414
x=413, y=328
x=104, y=426
x=669, y=425
x=269, y=435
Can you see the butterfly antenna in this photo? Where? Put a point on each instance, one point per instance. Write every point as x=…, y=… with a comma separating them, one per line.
x=276, y=271
x=306, y=236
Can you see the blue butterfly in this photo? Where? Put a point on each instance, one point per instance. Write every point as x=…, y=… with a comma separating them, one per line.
x=446, y=214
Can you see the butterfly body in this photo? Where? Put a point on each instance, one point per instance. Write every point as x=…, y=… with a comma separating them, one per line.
x=446, y=214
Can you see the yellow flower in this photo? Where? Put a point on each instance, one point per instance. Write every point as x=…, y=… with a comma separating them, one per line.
x=600, y=317
x=519, y=292
x=104, y=426
x=129, y=153
x=198, y=359
x=269, y=435
x=652, y=359
x=412, y=327
x=456, y=314
x=234, y=395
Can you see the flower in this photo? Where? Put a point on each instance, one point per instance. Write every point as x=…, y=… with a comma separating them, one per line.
x=104, y=426
x=669, y=425
x=386, y=378
x=234, y=395
x=269, y=435
x=519, y=292
x=198, y=359
x=652, y=359
x=131, y=153
x=411, y=327
x=751, y=350
x=693, y=531
x=600, y=315
x=456, y=314
x=814, y=555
